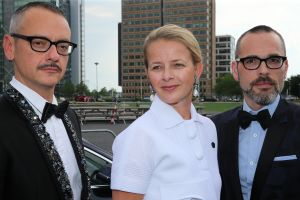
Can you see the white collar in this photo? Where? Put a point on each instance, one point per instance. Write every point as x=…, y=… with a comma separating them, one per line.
x=168, y=116
x=33, y=98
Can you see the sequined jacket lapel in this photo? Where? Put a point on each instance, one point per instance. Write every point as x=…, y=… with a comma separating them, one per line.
x=75, y=138
x=47, y=146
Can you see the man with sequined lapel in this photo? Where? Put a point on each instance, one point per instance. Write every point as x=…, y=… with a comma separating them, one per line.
x=259, y=142
x=41, y=155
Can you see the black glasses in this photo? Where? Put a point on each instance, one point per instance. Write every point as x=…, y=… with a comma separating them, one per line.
x=43, y=44
x=253, y=62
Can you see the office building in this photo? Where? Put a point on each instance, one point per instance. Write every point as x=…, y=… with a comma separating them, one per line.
x=139, y=17
x=225, y=47
x=77, y=23
x=74, y=12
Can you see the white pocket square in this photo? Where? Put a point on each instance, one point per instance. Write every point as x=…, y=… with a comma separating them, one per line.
x=283, y=158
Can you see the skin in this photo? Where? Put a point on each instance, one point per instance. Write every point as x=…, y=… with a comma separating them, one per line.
x=40, y=71
x=172, y=73
x=120, y=195
x=261, y=86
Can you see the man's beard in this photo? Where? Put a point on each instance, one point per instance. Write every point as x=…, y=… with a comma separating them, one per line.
x=263, y=99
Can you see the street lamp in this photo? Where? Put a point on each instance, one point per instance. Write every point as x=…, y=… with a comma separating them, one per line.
x=96, y=63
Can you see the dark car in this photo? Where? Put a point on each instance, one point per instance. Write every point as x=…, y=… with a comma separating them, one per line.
x=99, y=167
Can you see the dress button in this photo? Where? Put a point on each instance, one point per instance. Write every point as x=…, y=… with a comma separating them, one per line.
x=199, y=156
x=254, y=135
x=251, y=163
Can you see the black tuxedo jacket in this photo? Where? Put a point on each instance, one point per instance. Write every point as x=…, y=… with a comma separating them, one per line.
x=25, y=172
x=278, y=180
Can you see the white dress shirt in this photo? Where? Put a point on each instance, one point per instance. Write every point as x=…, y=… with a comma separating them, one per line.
x=165, y=157
x=56, y=129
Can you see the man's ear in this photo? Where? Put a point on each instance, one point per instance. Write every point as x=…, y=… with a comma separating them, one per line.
x=234, y=70
x=8, y=47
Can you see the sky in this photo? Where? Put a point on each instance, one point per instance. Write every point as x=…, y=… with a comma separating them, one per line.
x=233, y=17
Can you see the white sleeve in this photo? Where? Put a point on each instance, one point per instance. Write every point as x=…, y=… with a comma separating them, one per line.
x=132, y=161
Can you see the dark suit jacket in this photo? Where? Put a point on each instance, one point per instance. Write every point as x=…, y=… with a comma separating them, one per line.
x=24, y=171
x=278, y=180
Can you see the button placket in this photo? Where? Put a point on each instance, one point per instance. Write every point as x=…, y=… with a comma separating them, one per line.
x=194, y=140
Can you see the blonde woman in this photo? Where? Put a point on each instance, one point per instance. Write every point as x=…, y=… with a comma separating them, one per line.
x=171, y=151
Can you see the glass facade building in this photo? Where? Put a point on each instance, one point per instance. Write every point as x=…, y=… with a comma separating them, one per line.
x=139, y=17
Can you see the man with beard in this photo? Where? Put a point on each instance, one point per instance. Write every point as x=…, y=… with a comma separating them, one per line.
x=259, y=142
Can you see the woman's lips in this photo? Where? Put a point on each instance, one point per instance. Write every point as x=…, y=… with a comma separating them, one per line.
x=169, y=88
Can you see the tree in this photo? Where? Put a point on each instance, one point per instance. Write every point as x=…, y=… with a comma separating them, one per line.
x=67, y=89
x=82, y=89
x=293, y=85
x=112, y=92
x=104, y=92
x=286, y=87
x=94, y=93
x=227, y=86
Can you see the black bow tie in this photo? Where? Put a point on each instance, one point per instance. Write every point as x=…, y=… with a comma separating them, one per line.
x=263, y=117
x=51, y=109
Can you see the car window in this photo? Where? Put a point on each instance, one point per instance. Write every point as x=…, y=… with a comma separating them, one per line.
x=95, y=164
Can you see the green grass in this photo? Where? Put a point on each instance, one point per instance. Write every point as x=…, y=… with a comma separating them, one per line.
x=217, y=107
x=203, y=107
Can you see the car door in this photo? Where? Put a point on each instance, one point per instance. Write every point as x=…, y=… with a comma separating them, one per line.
x=99, y=168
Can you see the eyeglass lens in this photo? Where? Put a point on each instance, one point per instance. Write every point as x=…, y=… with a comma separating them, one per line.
x=42, y=45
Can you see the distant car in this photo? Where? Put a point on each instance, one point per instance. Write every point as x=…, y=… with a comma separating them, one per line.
x=290, y=98
x=84, y=98
x=99, y=167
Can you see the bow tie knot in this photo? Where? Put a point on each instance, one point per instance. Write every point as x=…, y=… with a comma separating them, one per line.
x=263, y=117
x=51, y=109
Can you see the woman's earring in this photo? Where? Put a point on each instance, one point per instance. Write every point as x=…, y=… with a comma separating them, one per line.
x=195, y=91
x=195, y=88
x=152, y=93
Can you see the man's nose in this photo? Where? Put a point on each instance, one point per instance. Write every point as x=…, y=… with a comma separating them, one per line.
x=263, y=68
x=52, y=53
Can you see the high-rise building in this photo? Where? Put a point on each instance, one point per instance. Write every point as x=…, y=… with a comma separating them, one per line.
x=77, y=23
x=139, y=17
x=225, y=47
x=74, y=12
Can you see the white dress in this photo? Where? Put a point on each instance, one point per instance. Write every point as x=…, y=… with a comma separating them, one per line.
x=165, y=157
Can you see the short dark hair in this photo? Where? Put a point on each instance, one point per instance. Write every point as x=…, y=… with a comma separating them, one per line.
x=259, y=29
x=37, y=4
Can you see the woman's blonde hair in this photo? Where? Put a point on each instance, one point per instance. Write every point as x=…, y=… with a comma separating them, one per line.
x=175, y=33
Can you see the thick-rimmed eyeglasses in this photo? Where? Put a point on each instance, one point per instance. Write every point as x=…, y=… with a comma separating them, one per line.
x=253, y=62
x=43, y=44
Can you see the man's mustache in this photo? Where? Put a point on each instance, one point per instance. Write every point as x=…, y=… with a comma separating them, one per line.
x=42, y=66
x=263, y=79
